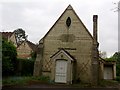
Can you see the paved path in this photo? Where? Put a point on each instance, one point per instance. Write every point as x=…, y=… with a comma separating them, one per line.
x=55, y=86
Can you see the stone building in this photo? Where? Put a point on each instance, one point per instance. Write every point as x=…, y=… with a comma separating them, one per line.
x=107, y=69
x=68, y=52
x=10, y=37
x=24, y=49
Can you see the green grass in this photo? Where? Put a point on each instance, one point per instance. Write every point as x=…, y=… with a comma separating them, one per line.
x=23, y=80
x=28, y=80
x=102, y=83
x=105, y=83
x=15, y=80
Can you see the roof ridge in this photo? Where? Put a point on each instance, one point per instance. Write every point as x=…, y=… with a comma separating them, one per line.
x=32, y=45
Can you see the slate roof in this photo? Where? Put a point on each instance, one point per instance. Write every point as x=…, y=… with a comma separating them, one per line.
x=6, y=34
x=31, y=45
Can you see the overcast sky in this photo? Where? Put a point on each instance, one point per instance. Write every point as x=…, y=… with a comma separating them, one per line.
x=37, y=17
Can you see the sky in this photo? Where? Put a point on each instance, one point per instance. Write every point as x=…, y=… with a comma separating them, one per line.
x=36, y=17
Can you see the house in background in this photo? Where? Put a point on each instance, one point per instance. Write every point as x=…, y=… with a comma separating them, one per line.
x=24, y=49
x=68, y=52
x=10, y=37
x=107, y=69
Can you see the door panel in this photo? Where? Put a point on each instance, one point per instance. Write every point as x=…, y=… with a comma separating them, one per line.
x=108, y=74
x=61, y=71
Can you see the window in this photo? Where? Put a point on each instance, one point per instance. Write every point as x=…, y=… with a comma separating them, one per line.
x=68, y=22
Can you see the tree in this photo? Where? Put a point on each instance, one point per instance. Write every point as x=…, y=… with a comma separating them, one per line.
x=103, y=54
x=116, y=56
x=33, y=55
x=20, y=36
x=9, y=55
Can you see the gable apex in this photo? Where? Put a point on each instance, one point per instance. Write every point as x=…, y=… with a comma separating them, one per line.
x=69, y=7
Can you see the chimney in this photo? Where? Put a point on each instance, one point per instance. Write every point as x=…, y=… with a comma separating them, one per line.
x=95, y=17
x=95, y=61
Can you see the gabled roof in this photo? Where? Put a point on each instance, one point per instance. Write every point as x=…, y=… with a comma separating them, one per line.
x=65, y=53
x=68, y=8
x=31, y=45
x=6, y=35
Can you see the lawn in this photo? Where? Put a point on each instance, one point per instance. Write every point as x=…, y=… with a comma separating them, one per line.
x=45, y=82
x=24, y=80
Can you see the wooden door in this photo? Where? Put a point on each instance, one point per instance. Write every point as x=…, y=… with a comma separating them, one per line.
x=61, y=71
x=108, y=72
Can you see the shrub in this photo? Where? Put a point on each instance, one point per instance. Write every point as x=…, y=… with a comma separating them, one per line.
x=33, y=55
x=118, y=78
x=25, y=67
x=42, y=78
x=118, y=69
x=8, y=58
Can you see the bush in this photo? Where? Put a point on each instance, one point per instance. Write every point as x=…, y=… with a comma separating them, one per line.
x=42, y=78
x=9, y=54
x=25, y=67
x=7, y=67
x=118, y=69
x=33, y=55
x=118, y=78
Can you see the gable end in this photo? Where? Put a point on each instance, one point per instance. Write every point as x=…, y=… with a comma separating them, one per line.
x=68, y=8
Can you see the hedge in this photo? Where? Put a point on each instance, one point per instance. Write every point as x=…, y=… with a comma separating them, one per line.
x=25, y=67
